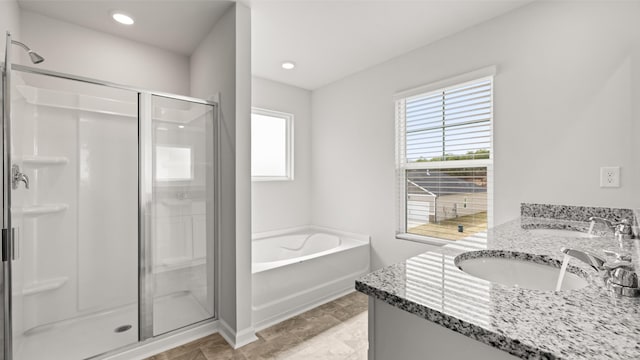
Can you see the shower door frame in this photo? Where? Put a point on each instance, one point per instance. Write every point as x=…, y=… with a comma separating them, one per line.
x=145, y=184
x=6, y=248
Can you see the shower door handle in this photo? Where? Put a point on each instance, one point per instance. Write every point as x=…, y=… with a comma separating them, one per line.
x=9, y=245
x=5, y=244
x=18, y=176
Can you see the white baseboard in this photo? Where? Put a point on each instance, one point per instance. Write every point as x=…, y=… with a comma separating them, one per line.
x=163, y=343
x=237, y=339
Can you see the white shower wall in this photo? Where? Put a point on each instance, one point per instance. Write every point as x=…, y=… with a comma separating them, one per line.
x=77, y=223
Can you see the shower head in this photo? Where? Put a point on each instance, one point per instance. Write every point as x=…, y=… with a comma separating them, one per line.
x=35, y=58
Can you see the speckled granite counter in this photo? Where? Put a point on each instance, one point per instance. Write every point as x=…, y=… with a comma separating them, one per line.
x=589, y=323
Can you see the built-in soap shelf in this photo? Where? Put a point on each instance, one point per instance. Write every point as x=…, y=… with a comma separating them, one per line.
x=39, y=210
x=42, y=161
x=44, y=285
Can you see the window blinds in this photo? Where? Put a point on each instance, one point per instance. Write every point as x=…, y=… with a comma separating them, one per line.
x=444, y=142
x=450, y=124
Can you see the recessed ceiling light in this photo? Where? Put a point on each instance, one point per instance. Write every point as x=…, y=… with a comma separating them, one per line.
x=181, y=126
x=122, y=18
x=288, y=65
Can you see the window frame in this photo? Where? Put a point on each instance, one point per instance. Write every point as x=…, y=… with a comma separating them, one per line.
x=289, y=149
x=402, y=165
x=173, y=182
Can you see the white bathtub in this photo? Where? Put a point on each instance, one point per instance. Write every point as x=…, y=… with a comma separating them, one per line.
x=297, y=269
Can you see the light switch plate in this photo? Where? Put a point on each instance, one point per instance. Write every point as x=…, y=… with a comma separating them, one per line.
x=610, y=177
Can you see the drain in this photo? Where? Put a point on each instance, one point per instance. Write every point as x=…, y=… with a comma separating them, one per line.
x=122, y=328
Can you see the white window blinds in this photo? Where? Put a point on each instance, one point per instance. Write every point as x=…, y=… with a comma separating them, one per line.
x=449, y=124
x=444, y=160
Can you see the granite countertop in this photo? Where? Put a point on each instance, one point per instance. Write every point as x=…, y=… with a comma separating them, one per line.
x=588, y=323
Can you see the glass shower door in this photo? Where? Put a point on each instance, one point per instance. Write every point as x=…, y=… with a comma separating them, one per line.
x=182, y=213
x=113, y=206
x=75, y=269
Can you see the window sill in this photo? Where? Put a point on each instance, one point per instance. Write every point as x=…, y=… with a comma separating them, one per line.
x=424, y=239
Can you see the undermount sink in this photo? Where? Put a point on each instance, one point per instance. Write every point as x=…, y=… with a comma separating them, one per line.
x=561, y=232
x=519, y=273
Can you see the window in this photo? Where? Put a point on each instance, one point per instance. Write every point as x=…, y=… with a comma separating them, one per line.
x=174, y=163
x=271, y=145
x=444, y=159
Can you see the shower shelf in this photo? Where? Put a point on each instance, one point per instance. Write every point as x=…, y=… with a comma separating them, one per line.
x=42, y=161
x=38, y=210
x=45, y=285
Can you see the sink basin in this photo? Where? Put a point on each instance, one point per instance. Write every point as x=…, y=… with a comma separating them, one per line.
x=519, y=273
x=561, y=232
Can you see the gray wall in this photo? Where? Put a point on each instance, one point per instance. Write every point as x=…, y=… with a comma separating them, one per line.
x=284, y=204
x=9, y=20
x=81, y=51
x=564, y=90
x=221, y=65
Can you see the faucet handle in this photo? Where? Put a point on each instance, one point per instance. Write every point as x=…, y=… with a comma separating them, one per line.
x=621, y=271
x=624, y=230
x=623, y=275
x=618, y=264
x=619, y=257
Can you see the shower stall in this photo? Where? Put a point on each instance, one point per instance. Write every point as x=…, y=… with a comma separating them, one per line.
x=109, y=214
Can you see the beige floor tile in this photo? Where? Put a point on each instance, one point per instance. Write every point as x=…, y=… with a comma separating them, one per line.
x=354, y=297
x=223, y=355
x=360, y=355
x=191, y=355
x=315, y=327
x=312, y=314
x=336, y=330
x=319, y=349
x=353, y=338
x=294, y=324
x=276, y=346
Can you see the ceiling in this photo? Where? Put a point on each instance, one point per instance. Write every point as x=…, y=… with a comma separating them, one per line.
x=178, y=25
x=328, y=39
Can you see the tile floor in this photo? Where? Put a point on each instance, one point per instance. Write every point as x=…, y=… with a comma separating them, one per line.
x=336, y=330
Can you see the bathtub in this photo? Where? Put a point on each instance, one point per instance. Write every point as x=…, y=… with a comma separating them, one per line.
x=297, y=269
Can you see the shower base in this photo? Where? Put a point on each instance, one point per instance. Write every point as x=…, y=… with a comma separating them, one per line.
x=91, y=335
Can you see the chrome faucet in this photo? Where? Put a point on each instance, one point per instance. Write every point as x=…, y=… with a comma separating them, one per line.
x=586, y=257
x=622, y=277
x=624, y=230
x=621, y=230
x=620, y=274
x=17, y=177
x=603, y=221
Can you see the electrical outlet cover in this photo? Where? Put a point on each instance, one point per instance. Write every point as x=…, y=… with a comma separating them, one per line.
x=610, y=176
